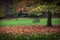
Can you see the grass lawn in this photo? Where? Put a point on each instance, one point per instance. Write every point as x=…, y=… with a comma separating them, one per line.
x=27, y=21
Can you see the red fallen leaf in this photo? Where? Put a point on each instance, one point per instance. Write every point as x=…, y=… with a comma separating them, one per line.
x=29, y=29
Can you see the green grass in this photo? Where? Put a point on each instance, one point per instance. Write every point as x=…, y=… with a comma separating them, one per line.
x=27, y=21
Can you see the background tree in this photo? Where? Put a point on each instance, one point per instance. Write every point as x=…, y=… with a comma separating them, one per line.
x=49, y=2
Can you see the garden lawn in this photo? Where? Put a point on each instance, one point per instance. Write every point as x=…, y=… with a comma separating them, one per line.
x=27, y=21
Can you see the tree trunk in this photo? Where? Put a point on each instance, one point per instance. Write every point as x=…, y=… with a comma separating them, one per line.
x=49, y=21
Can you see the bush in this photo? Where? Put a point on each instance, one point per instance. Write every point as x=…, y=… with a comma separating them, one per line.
x=35, y=36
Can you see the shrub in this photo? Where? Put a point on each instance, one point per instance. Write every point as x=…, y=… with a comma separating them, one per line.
x=35, y=36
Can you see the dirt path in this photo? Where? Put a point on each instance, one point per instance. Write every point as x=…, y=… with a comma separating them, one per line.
x=30, y=29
